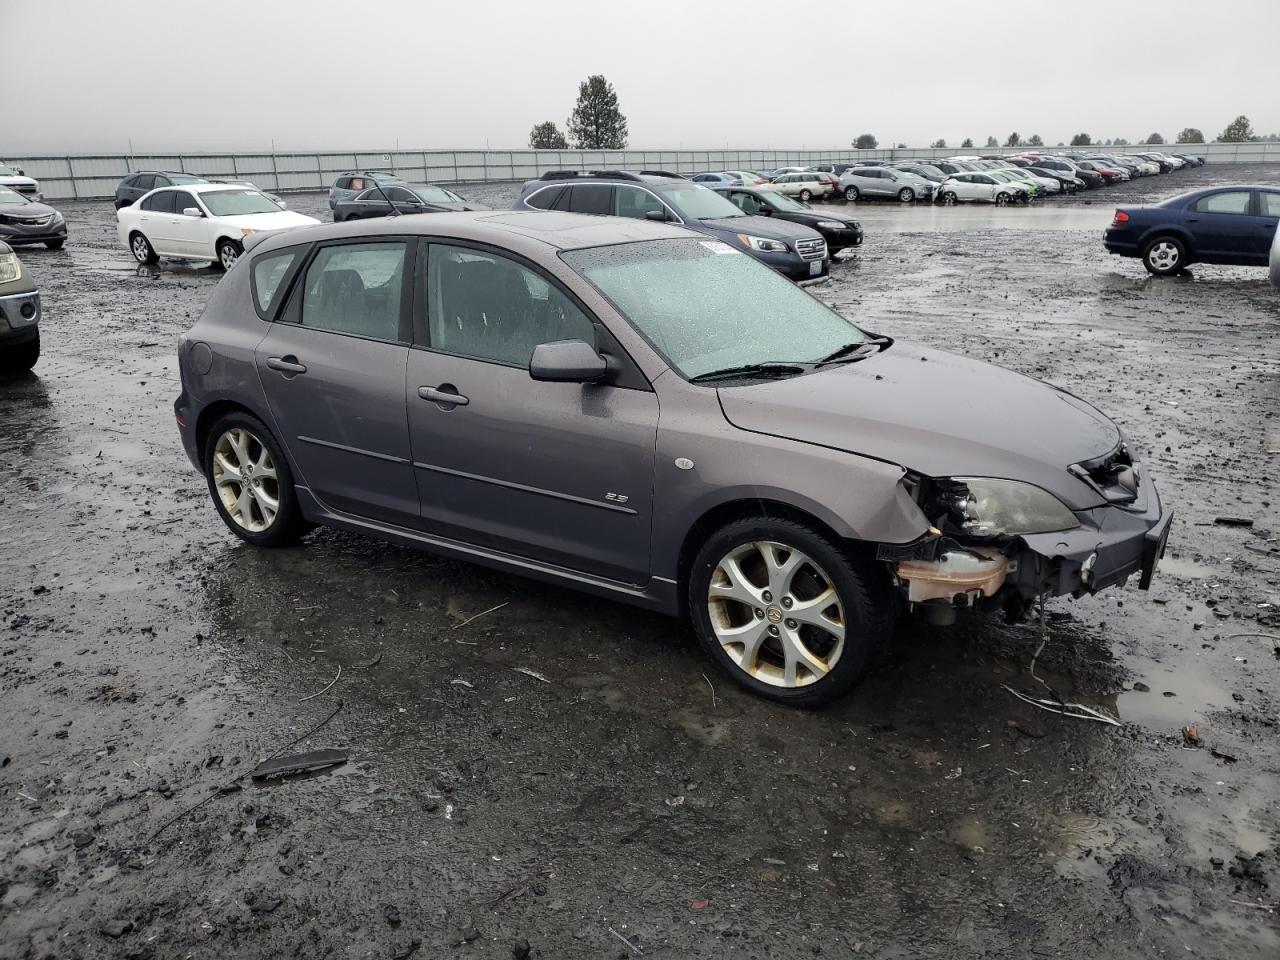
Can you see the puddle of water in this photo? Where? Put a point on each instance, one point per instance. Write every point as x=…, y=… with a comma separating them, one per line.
x=1184, y=568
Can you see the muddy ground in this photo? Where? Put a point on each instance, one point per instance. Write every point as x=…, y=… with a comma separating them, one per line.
x=637, y=803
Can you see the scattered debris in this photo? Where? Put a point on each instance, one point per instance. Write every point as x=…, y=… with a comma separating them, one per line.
x=1140, y=687
x=1075, y=711
x=1191, y=735
x=1233, y=521
x=633, y=947
x=368, y=664
x=115, y=929
x=1269, y=907
x=326, y=686
x=1225, y=757
x=713, y=692
x=391, y=914
x=699, y=904
x=521, y=885
x=298, y=763
x=531, y=673
x=261, y=904
x=406, y=950
x=520, y=950
x=462, y=683
x=480, y=614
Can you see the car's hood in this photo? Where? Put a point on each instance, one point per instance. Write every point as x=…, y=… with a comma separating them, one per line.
x=464, y=205
x=284, y=220
x=27, y=211
x=17, y=181
x=937, y=414
x=766, y=227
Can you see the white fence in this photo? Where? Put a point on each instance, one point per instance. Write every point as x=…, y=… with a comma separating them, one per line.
x=95, y=176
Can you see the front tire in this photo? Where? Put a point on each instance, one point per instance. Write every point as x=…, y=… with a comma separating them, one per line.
x=906, y=195
x=20, y=359
x=1002, y=199
x=949, y=199
x=1164, y=256
x=785, y=611
x=141, y=249
x=851, y=193
x=55, y=244
x=250, y=482
x=228, y=252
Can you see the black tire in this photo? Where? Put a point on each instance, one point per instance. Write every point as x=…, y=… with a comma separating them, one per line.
x=806, y=196
x=1165, y=256
x=20, y=359
x=950, y=199
x=1002, y=200
x=907, y=195
x=228, y=251
x=141, y=248
x=288, y=523
x=862, y=590
x=55, y=244
x=851, y=193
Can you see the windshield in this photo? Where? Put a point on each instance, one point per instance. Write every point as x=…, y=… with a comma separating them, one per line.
x=704, y=306
x=434, y=194
x=11, y=197
x=237, y=203
x=780, y=201
x=7, y=171
x=699, y=203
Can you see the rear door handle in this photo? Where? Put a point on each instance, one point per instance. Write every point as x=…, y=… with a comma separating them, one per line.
x=445, y=394
x=286, y=364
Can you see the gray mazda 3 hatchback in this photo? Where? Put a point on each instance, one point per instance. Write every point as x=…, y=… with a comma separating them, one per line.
x=649, y=414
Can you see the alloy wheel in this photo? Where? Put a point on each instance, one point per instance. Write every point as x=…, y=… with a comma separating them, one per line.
x=776, y=613
x=244, y=475
x=1164, y=256
x=227, y=255
x=140, y=248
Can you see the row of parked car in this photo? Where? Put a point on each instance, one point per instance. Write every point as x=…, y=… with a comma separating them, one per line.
x=995, y=179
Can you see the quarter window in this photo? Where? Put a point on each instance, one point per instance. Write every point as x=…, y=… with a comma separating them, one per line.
x=1234, y=201
x=356, y=288
x=491, y=308
x=545, y=198
x=268, y=273
x=163, y=181
x=144, y=181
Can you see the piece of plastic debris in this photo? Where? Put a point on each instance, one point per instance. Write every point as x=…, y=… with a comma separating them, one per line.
x=1191, y=735
x=698, y=904
x=1233, y=521
x=298, y=763
x=531, y=673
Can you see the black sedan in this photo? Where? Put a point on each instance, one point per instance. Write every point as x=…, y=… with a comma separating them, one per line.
x=1232, y=225
x=407, y=197
x=839, y=231
x=25, y=221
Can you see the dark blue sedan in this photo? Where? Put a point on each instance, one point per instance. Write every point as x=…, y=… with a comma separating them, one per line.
x=1232, y=225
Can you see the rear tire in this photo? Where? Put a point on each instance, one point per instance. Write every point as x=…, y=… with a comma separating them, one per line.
x=1165, y=256
x=949, y=199
x=250, y=482
x=1002, y=199
x=20, y=359
x=806, y=646
x=806, y=195
x=851, y=193
x=141, y=248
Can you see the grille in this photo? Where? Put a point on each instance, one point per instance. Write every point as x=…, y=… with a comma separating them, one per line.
x=25, y=221
x=812, y=249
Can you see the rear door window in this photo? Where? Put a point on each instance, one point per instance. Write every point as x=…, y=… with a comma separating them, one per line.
x=356, y=288
x=144, y=181
x=1233, y=201
x=1270, y=204
x=592, y=198
x=161, y=202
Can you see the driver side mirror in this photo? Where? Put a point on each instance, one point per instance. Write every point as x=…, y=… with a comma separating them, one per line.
x=567, y=361
x=762, y=210
x=192, y=212
x=659, y=216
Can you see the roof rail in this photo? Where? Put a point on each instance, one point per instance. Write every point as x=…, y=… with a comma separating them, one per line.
x=589, y=174
x=662, y=173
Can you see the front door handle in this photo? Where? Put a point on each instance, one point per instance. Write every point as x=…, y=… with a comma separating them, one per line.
x=446, y=394
x=287, y=364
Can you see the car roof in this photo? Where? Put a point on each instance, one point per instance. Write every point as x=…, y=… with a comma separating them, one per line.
x=202, y=187
x=522, y=231
x=167, y=173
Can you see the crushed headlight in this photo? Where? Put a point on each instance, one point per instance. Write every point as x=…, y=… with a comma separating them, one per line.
x=10, y=267
x=989, y=507
x=831, y=225
x=762, y=244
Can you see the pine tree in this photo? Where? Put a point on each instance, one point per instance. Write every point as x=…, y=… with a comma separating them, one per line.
x=547, y=136
x=597, y=122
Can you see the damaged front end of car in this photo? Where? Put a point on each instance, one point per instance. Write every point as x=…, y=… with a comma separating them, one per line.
x=1001, y=544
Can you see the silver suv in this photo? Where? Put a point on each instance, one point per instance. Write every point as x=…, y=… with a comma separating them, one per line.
x=643, y=412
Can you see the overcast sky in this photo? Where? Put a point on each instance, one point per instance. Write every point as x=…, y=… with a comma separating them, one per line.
x=89, y=75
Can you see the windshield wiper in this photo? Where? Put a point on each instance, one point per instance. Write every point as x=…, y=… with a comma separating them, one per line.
x=770, y=369
x=851, y=352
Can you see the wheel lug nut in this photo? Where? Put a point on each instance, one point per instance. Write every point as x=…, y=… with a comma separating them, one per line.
x=759, y=614
x=768, y=597
x=786, y=602
x=774, y=631
x=791, y=624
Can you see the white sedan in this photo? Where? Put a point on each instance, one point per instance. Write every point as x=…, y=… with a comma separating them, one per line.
x=200, y=221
